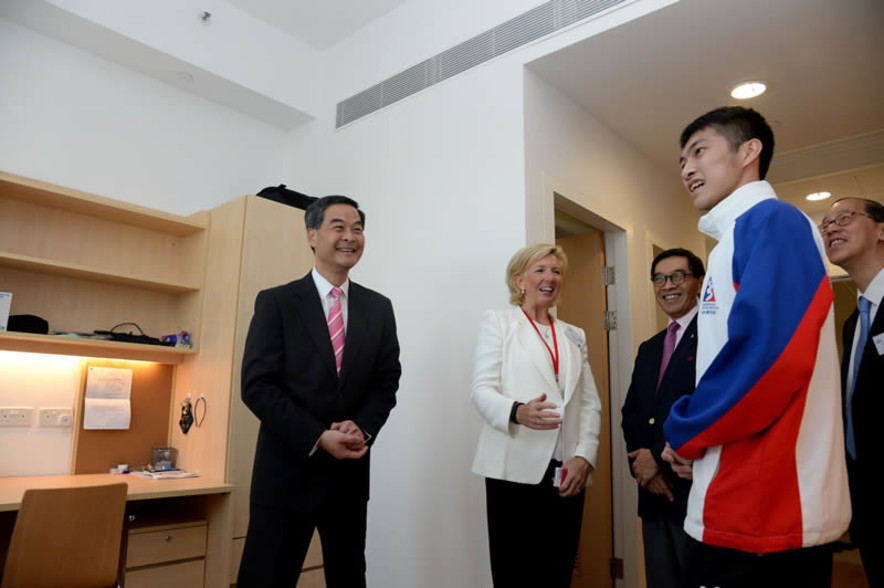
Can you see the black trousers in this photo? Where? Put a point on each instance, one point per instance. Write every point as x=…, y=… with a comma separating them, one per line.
x=868, y=518
x=719, y=567
x=666, y=550
x=533, y=533
x=278, y=539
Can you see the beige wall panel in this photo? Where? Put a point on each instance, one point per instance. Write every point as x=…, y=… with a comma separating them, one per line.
x=204, y=448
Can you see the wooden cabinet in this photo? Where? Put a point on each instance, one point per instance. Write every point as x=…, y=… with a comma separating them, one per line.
x=168, y=555
x=84, y=262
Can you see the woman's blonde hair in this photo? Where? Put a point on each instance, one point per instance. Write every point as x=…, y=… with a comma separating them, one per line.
x=525, y=258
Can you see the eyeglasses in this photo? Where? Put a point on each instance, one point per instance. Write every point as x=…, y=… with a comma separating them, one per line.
x=677, y=278
x=842, y=219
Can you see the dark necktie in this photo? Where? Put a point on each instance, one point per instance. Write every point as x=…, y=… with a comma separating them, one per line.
x=668, y=348
x=865, y=307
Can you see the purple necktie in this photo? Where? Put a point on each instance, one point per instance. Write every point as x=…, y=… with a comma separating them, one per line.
x=668, y=348
x=336, y=327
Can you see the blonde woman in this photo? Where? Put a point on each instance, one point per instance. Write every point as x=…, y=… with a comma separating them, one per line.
x=533, y=386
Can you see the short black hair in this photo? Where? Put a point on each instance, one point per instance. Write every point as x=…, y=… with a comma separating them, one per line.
x=738, y=125
x=315, y=213
x=695, y=264
x=873, y=208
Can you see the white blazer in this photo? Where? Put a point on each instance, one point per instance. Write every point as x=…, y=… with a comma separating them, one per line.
x=512, y=363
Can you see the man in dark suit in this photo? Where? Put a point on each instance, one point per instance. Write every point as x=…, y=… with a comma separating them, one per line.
x=853, y=233
x=320, y=371
x=664, y=372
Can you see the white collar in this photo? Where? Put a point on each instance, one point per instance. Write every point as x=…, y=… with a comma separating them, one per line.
x=685, y=319
x=723, y=215
x=875, y=290
x=323, y=286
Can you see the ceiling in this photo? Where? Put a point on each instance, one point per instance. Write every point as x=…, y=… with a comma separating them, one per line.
x=318, y=24
x=823, y=62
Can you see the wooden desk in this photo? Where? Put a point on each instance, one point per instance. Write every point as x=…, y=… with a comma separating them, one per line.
x=161, y=499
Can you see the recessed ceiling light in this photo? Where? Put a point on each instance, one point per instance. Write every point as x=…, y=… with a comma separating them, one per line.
x=818, y=196
x=748, y=90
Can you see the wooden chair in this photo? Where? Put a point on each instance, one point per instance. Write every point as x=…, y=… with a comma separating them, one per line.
x=67, y=537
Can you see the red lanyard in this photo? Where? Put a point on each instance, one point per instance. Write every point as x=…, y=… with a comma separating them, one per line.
x=554, y=357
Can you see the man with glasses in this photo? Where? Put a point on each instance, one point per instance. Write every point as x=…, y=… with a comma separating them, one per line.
x=663, y=373
x=853, y=233
x=763, y=426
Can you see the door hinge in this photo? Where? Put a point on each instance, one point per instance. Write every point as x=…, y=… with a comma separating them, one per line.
x=609, y=277
x=616, y=568
x=610, y=320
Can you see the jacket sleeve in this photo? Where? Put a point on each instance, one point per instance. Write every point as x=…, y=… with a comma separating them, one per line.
x=487, y=392
x=590, y=411
x=373, y=413
x=782, y=299
x=630, y=411
x=263, y=371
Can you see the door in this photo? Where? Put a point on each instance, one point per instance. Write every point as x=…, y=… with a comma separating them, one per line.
x=583, y=303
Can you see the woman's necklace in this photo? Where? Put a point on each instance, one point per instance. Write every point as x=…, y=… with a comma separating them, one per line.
x=553, y=356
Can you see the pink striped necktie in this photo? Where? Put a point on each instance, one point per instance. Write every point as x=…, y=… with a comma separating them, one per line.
x=336, y=327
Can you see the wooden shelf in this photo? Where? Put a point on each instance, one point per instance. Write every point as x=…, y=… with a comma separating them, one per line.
x=45, y=194
x=70, y=270
x=64, y=345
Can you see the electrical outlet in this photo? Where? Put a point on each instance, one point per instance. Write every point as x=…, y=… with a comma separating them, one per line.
x=56, y=417
x=16, y=416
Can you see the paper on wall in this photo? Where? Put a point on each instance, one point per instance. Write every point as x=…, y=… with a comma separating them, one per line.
x=5, y=305
x=108, y=398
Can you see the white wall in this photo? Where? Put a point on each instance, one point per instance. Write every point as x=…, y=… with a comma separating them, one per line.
x=444, y=176
x=73, y=119
x=70, y=118
x=35, y=381
x=567, y=148
x=449, y=191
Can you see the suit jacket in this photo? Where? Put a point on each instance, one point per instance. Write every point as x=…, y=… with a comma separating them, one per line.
x=290, y=382
x=867, y=405
x=646, y=409
x=513, y=364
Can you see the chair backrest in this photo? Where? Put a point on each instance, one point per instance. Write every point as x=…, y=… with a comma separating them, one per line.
x=67, y=537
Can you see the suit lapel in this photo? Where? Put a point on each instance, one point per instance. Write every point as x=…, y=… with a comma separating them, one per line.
x=571, y=360
x=686, y=346
x=870, y=352
x=357, y=323
x=309, y=308
x=534, y=348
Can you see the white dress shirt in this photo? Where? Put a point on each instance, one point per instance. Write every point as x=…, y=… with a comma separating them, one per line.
x=324, y=287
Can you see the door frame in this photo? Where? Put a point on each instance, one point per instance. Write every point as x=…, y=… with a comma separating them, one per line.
x=620, y=363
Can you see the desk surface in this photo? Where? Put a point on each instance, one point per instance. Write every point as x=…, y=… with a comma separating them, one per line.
x=12, y=489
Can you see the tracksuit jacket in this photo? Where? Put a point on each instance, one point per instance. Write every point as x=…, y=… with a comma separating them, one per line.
x=764, y=423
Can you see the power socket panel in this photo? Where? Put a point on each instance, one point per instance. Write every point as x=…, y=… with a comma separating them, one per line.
x=16, y=416
x=56, y=417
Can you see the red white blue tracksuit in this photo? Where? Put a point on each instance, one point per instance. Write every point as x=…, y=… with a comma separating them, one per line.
x=764, y=423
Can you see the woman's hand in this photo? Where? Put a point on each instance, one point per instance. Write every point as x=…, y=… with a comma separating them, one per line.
x=537, y=414
x=578, y=470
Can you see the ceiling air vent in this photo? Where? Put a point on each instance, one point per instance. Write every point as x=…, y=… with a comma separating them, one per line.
x=514, y=33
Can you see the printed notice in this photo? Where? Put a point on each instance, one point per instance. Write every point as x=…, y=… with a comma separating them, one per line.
x=108, y=393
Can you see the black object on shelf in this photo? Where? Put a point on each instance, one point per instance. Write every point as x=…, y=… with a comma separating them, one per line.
x=27, y=323
x=130, y=337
